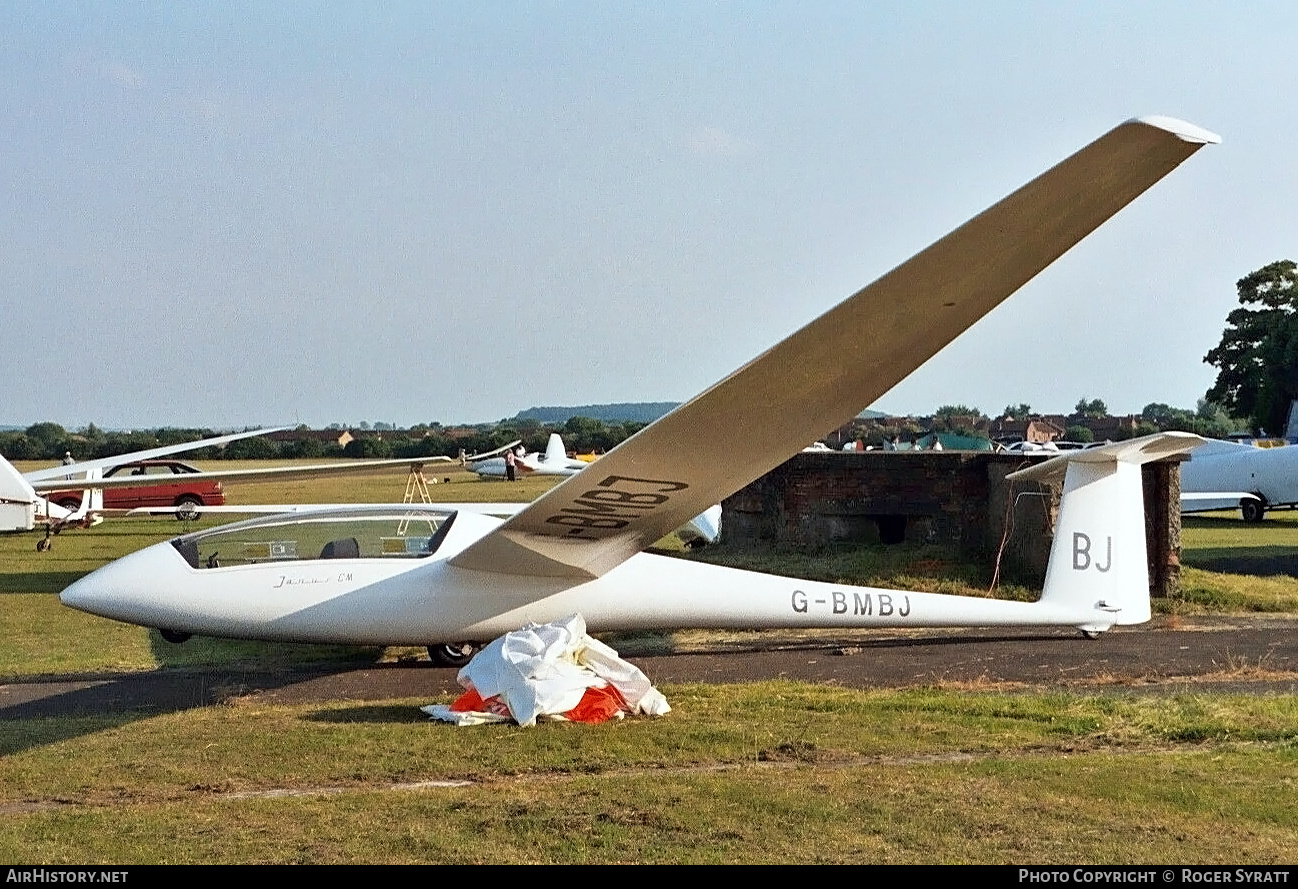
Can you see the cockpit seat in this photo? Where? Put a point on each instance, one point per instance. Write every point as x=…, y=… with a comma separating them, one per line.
x=344, y=548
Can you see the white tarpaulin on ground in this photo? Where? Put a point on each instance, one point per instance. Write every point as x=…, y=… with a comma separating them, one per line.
x=549, y=671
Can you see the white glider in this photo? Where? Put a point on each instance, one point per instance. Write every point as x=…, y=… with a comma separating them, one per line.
x=1226, y=475
x=347, y=576
x=22, y=507
x=22, y=504
x=555, y=461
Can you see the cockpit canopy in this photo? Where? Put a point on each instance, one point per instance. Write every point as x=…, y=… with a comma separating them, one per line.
x=402, y=532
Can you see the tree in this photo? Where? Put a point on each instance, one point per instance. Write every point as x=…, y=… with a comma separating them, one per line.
x=1207, y=419
x=1092, y=408
x=1159, y=413
x=1257, y=358
x=1020, y=411
x=252, y=449
x=960, y=419
x=366, y=448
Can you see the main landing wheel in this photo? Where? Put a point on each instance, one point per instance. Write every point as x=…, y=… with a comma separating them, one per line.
x=1252, y=510
x=452, y=654
x=174, y=636
x=1091, y=634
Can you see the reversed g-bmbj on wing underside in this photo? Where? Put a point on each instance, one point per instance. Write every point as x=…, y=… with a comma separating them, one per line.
x=578, y=547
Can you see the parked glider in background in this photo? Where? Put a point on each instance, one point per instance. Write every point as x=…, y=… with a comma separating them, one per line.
x=703, y=529
x=22, y=507
x=342, y=576
x=555, y=461
x=1226, y=475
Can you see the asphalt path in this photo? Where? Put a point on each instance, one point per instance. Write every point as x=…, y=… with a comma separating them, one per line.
x=1167, y=656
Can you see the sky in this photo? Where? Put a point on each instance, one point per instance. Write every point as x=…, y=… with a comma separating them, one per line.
x=233, y=214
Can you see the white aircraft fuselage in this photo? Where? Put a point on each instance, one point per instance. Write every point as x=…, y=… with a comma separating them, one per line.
x=421, y=601
x=1238, y=472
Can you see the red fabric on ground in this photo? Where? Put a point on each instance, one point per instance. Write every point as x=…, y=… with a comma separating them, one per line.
x=598, y=705
x=472, y=702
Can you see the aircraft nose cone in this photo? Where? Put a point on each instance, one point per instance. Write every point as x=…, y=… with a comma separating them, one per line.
x=95, y=592
x=74, y=596
x=128, y=589
x=77, y=595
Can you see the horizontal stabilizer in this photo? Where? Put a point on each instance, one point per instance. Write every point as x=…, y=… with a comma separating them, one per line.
x=1146, y=449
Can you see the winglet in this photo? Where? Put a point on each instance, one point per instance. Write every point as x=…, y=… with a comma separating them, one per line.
x=1187, y=132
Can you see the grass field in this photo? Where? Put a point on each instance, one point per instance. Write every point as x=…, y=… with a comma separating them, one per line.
x=765, y=772
x=769, y=772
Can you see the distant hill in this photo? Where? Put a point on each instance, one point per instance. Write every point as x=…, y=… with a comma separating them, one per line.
x=639, y=412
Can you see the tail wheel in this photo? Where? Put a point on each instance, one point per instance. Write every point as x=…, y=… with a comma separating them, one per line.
x=452, y=654
x=1252, y=510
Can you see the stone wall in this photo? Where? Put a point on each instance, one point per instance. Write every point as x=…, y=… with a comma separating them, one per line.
x=959, y=499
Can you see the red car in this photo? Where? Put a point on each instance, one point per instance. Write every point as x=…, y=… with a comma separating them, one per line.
x=167, y=487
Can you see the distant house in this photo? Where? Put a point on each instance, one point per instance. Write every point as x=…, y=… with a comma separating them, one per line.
x=1108, y=428
x=1034, y=429
x=458, y=433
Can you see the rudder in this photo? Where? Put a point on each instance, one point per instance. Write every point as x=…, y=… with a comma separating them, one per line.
x=1098, y=559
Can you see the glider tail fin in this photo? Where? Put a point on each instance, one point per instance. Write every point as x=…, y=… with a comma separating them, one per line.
x=1098, y=559
x=554, y=449
x=92, y=500
x=1098, y=556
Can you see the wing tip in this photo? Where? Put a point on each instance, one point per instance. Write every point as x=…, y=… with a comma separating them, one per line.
x=1183, y=130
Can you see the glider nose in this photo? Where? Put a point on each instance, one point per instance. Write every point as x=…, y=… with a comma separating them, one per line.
x=99, y=591
x=127, y=589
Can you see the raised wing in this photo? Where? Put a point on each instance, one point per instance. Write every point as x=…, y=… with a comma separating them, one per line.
x=280, y=473
x=63, y=472
x=1214, y=501
x=500, y=510
x=823, y=375
x=487, y=455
